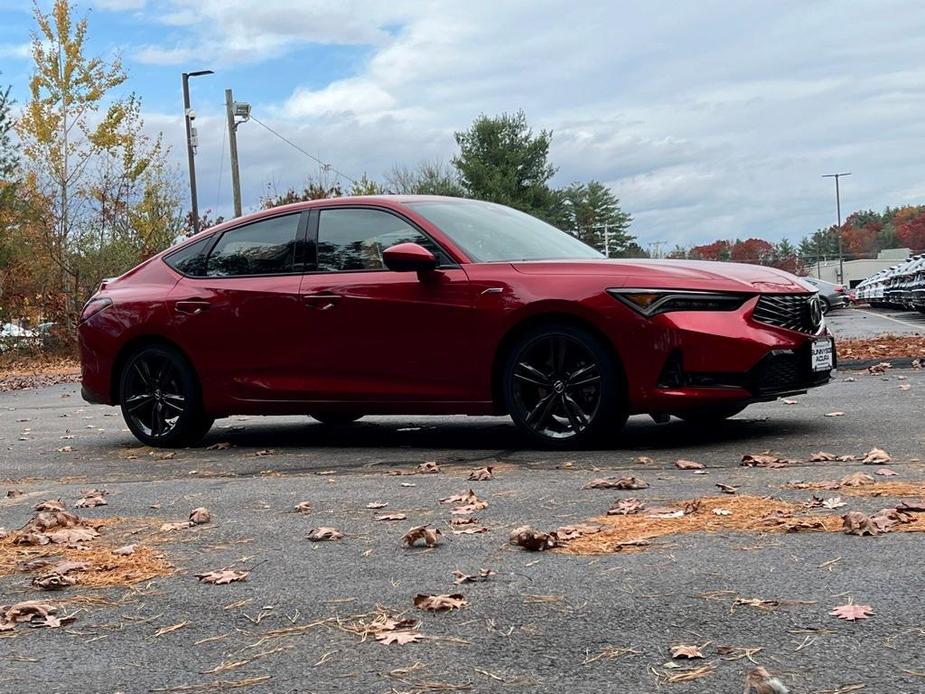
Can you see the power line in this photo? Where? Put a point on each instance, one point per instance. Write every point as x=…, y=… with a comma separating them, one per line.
x=292, y=144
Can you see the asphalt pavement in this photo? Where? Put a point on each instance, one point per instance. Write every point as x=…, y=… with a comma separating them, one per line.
x=545, y=622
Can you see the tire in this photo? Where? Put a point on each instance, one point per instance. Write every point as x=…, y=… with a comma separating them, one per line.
x=563, y=388
x=161, y=399
x=826, y=306
x=336, y=419
x=710, y=414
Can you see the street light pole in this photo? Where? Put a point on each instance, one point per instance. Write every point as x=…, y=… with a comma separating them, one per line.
x=188, y=117
x=841, y=255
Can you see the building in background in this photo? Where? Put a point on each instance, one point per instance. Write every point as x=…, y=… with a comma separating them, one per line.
x=857, y=270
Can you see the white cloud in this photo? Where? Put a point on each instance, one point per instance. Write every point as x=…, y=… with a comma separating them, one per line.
x=119, y=5
x=16, y=51
x=708, y=119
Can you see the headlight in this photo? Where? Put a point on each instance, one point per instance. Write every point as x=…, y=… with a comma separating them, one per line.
x=650, y=302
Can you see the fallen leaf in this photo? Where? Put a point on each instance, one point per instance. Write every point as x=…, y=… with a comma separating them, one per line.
x=430, y=536
x=621, y=483
x=822, y=457
x=439, y=603
x=885, y=472
x=835, y=414
x=126, y=551
x=722, y=512
x=833, y=502
x=200, y=516
x=727, y=488
x=482, y=474
x=469, y=520
x=851, y=612
x=905, y=386
x=766, y=459
x=856, y=479
x=176, y=525
x=467, y=497
x=264, y=453
x=222, y=577
x=760, y=681
x=50, y=505
x=911, y=506
x=53, y=581
x=324, y=534
x=645, y=460
x=376, y=504
x=482, y=575
x=13, y=493
x=689, y=652
x=533, y=540
x=688, y=465
x=392, y=517
x=573, y=532
x=428, y=468
x=72, y=536
x=220, y=446
x=879, y=368
x=876, y=456
x=857, y=523
x=625, y=507
x=401, y=637
x=303, y=507
x=471, y=531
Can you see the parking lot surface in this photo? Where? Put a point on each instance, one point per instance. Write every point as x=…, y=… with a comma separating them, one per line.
x=543, y=622
x=862, y=322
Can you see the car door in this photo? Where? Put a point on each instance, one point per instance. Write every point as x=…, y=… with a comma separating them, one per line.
x=238, y=314
x=379, y=335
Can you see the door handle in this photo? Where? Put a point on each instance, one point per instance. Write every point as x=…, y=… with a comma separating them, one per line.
x=321, y=302
x=191, y=307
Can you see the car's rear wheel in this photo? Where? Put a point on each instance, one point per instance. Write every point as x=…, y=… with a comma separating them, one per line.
x=336, y=419
x=710, y=414
x=826, y=306
x=160, y=398
x=563, y=388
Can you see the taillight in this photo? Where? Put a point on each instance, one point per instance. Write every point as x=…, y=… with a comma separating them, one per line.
x=94, y=306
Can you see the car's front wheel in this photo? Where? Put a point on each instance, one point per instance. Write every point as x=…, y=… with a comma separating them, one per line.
x=160, y=398
x=563, y=388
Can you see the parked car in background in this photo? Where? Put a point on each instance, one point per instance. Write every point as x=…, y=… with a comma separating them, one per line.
x=832, y=295
x=428, y=305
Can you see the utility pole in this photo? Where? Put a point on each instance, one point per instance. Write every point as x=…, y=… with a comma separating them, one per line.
x=841, y=255
x=234, y=108
x=658, y=248
x=189, y=116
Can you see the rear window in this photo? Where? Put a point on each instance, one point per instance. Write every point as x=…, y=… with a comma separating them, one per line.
x=191, y=259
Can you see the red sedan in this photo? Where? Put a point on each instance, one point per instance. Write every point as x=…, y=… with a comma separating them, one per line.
x=429, y=305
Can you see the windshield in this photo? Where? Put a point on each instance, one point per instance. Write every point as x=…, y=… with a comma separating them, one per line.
x=490, y=233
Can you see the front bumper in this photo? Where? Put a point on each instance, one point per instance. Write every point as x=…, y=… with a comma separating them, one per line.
x=710, y=358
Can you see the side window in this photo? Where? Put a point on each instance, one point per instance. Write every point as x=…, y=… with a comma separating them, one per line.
x=191, y=259
x=353, y=239
x=266, y=247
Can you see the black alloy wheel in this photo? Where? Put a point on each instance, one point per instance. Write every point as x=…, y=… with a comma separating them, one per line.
x=160, y=398
x=562, y=387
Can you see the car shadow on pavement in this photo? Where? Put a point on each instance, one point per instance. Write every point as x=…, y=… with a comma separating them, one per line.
x=462, y=433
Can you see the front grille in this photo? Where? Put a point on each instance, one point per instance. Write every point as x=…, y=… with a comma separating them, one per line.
x=778, y=372
x=790, y=311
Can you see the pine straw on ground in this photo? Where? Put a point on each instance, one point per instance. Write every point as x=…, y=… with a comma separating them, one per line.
x=748, y=514
x=882, y=347
x=891, y=489
x=105, y=569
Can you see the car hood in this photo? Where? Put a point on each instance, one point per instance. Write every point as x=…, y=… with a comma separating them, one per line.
x=674, y=274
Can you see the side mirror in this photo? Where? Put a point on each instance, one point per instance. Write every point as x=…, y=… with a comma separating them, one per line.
x=408, y=257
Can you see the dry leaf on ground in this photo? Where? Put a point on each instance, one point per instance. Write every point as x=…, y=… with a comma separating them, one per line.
x=264, y=453
x=689, y=652
x=857, y=523
x=573, y=532
x=822, y=457
x=534, y=540
x=91, y=498
x=688, y=465
x=471, y=531
x=885, y=472
x=835, y=414
x=400, y=636
x=852, y=612
x=430, y=536
x=438, y=603
x=176, y=525
x=428, y=468
x=53, y=581
x=33, y=612
x=482, y=474
x=833, y=502
x=876, y=456
x=645, y=460
x=621, y=483
x=222, y=577
x=323, y=534
x=375, y=505
x=303, y=507
x=220, y=446
x=766, y=459
x=72, y=536
x=392, y=517
x=625, y=507
x=126, y=551
x=483, y=575
x=727, y=488
x=759, y=681
x=50, y=505
x=200, y=516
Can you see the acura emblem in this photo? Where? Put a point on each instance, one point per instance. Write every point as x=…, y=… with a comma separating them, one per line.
x=815, y=311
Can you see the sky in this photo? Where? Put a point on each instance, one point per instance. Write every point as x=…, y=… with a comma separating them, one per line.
x=708, y=119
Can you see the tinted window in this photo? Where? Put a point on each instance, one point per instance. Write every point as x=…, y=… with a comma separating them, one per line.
x=262, y=248
x=489, y=232
x=190, y=260
x=351, y=239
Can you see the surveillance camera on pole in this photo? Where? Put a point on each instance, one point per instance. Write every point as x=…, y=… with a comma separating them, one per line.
x=233, y=111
